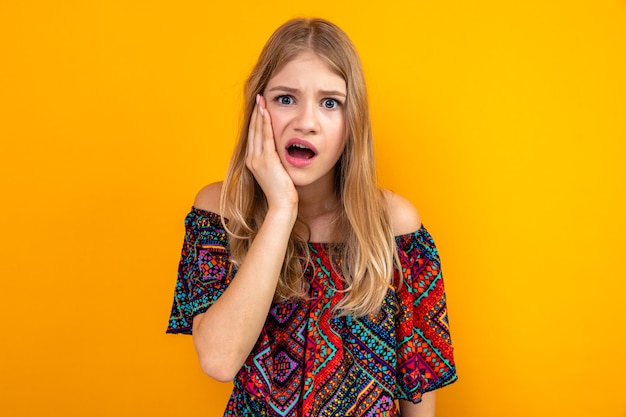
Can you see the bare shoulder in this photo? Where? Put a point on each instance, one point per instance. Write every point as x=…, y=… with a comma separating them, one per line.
x=404, y=216
x=208, y=198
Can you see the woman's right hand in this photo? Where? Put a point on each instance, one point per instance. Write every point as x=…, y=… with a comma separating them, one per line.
x=225, y=334
x=264, y=163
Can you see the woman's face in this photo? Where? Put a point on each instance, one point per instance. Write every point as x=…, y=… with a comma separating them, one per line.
x=305, y=100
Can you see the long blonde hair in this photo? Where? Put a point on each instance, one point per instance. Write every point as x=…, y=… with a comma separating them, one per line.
x=368, y=252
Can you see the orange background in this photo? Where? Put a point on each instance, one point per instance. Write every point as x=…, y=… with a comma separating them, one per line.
x=505, y=124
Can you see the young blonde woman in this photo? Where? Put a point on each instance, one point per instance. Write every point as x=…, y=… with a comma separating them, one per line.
x=316, y=291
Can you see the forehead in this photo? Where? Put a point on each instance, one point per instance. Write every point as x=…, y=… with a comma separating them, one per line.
x=307, y=69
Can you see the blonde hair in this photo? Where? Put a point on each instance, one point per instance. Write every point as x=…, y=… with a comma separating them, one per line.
x=368, y=253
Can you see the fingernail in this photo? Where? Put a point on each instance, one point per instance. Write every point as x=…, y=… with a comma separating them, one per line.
x=258, y=99
x=262, y=111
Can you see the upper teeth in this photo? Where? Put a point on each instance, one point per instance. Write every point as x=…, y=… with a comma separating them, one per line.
x=298, y=145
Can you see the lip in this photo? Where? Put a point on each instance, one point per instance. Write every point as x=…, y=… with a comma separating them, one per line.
x=298, y=162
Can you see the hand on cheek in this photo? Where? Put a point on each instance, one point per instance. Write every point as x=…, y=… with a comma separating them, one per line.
x=265, y=164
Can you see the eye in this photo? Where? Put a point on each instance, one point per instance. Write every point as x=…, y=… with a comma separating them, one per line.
x=285, y=100
x=330, y=103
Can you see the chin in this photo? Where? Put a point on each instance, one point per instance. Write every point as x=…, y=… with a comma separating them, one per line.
x=299, y=181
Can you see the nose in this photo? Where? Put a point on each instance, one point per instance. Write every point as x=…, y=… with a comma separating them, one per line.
x=306, y=120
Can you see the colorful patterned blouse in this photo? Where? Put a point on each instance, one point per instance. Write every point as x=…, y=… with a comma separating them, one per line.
x=307, y=362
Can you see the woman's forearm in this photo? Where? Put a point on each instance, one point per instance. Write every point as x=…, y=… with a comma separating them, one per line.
x=226, y=333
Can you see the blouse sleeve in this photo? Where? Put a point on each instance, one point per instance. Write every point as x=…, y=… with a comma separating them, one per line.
x=204, y=270
x=425, y=359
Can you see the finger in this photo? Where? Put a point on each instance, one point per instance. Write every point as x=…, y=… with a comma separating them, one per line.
x=252, y=130
x=258, y=127
x=268, y=132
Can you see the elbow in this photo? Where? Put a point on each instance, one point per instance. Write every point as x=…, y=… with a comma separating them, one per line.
x=220, y=370
x=216, y=359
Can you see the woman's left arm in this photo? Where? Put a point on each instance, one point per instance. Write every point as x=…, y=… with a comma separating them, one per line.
x=426, y=408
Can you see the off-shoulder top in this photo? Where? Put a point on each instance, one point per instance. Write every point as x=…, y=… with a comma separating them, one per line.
x=310, y=362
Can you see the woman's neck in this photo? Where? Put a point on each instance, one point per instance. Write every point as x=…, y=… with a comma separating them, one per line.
x=320, y=209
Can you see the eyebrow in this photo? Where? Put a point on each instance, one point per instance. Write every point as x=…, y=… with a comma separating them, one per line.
x=295, y=90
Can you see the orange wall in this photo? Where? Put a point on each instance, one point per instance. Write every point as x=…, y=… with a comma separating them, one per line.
x=505, y=123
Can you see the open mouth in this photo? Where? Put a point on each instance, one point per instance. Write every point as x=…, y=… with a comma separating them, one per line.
x=300, y=151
